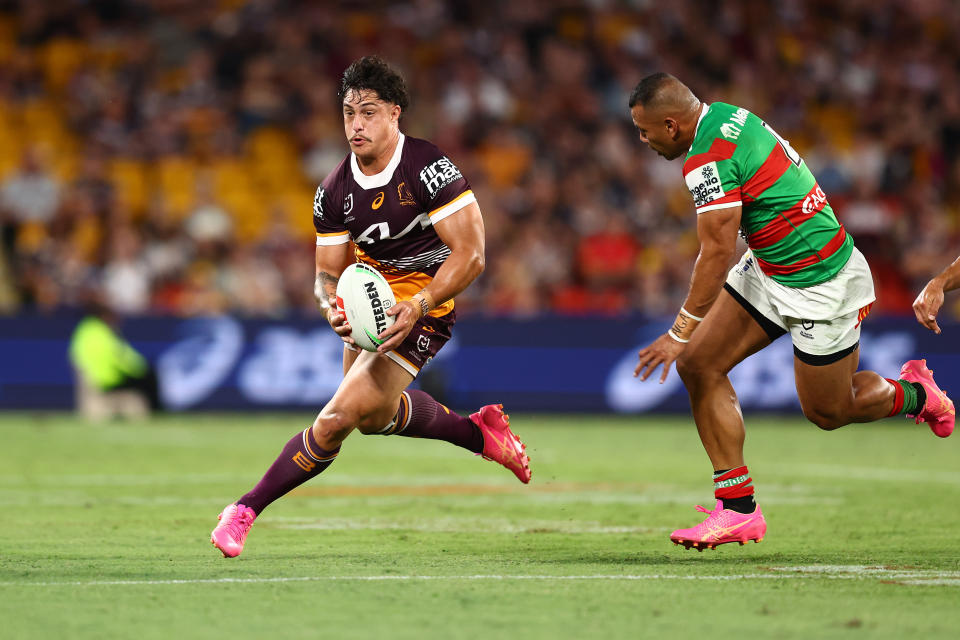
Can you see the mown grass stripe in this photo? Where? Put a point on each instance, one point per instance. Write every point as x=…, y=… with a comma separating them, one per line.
x=938, y=578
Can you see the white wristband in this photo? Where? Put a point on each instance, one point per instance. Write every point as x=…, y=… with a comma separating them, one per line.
x=676, y=337
x=690, y=315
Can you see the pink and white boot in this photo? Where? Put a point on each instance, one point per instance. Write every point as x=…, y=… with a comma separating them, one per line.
x=231, y=533
x=722, y=526
x=499, y=443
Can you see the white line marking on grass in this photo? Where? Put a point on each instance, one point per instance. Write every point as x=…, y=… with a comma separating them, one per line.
x=918, y=577
x=398, y=578
x=873, y=474
x=864, y=569
x=904, y=575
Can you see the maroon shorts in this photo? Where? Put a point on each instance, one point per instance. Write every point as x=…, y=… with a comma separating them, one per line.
x=423, y=342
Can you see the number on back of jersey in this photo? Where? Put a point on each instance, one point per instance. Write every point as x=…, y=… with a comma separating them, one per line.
x=787, y=149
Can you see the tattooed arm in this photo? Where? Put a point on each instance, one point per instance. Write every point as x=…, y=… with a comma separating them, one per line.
x=325, y=289
x=331, y=261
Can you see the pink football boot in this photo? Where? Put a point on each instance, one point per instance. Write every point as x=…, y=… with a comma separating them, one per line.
x=499, y=443
x=231, y=533
x=722, y=526
x=938, y=411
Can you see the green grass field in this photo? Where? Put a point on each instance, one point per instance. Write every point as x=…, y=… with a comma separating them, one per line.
x=104, y=533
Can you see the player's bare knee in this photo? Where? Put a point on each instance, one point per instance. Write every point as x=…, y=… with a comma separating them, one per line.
x=333, y=427
x=685, y=369
x=826, y=420
x=692, y=369
x=376, y=422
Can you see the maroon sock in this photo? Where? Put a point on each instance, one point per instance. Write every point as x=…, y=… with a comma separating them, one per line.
x=300, y=460
x=420, y=416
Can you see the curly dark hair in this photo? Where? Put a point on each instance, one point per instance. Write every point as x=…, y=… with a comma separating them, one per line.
x=371, y=73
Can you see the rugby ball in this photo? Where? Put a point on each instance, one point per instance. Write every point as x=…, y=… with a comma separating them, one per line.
x=364, y=296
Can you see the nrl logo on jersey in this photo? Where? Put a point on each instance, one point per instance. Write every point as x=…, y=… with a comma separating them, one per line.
x=318, y=202
x=704, y=184
x=439, y=174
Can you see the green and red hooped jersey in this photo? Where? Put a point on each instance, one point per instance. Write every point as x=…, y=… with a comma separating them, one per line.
x=737, y=159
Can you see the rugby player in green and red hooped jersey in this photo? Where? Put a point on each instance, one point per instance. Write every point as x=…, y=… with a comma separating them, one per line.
x=399, y=204
x=801, y=274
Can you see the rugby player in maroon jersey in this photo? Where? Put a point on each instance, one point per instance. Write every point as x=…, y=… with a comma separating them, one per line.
x=801, y=275
x=400, y=205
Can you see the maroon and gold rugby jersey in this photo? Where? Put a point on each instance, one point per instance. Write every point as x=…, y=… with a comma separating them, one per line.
x=390, y=215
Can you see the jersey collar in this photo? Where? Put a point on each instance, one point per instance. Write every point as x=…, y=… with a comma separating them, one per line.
x=377, y=180
x=703, y=113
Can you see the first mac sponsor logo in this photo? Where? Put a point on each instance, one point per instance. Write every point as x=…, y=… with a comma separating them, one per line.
x=439, y=174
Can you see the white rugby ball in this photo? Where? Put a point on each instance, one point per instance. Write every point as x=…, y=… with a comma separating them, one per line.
x=364, y=295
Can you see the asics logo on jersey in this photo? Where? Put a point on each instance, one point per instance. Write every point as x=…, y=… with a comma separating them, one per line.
x=377, y=201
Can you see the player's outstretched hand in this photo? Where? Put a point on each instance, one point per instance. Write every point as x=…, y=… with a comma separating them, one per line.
x=407, y=314
x=338, y=320
x=662, y=351
x=927, y=304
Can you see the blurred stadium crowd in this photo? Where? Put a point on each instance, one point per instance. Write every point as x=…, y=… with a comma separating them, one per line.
x=165, y=152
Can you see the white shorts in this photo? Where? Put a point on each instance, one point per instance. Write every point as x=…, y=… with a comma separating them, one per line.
x=823, y=320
